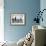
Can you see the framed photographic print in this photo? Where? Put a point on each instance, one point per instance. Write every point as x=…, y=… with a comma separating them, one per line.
x=17, y=19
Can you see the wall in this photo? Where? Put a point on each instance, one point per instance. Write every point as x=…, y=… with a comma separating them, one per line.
x=29, y=8
x=1, y=21
x=43, y=6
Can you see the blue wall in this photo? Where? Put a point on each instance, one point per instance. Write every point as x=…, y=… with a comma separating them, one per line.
x=43, y=6
x=28, y=7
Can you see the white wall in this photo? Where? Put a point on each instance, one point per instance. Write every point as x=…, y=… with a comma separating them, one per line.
x=1, y=21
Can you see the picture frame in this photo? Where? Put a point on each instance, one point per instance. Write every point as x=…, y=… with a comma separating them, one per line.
x=17, y=19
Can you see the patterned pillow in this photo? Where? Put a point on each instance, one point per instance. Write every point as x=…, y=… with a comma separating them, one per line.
x=28, y=40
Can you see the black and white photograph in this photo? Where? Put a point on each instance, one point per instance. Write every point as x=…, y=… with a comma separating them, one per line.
x=17, y=19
